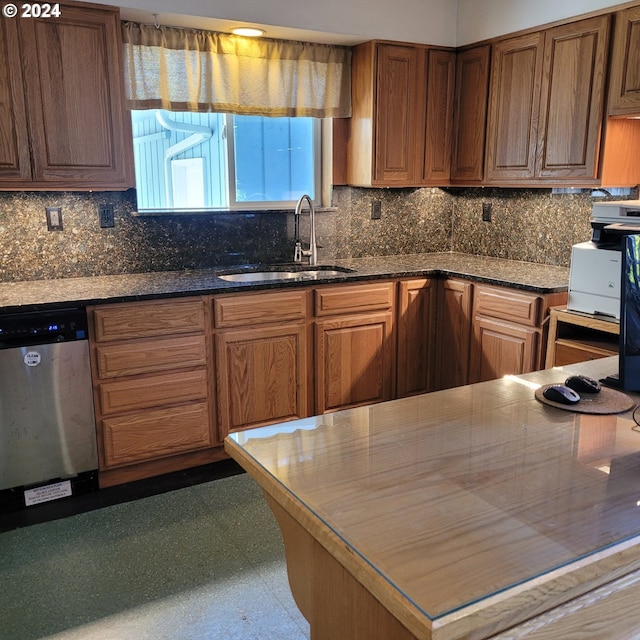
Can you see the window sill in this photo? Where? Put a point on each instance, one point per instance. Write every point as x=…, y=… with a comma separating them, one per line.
x=167, y=213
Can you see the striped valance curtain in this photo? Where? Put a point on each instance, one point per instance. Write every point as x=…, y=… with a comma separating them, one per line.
x=190, y=70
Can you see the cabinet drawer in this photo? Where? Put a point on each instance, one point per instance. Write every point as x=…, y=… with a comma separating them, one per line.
x=506, y=304
x=141, y=320
x=128, y=359
x=152, y=391
x=153, y=434
x=259, y=308
x=353, y=298
x=572, y=352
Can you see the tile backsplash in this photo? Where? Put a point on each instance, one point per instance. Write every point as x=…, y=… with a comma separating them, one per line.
x=527, y=224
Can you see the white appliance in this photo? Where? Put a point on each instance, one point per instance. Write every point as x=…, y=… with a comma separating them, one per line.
x=594, y=277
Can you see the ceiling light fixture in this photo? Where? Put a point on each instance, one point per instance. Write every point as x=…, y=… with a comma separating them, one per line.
x=251, y=32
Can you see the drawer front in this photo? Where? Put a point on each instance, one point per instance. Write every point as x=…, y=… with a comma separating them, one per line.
x=152, y=391
x=571, y=353
x=127, y=359
x=154, y=434
x=506, y=304
x=141, y=320
x=259, y=308
x=333, y=300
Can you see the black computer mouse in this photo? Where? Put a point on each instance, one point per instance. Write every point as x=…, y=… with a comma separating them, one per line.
x=560, y=393
x=582, y=384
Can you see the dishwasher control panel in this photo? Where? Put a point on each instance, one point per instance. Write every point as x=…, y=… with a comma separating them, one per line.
x=61, y=325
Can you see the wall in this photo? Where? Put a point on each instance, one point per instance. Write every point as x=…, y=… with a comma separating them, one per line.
x=438, y=22
x=531, y=225
x=483, y=19
x=429, y=21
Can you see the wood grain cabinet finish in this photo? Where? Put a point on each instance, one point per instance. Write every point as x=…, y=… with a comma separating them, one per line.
x=470, y=114
x=402, y=105
x=455, y=298
x=573, y=99
x=64, y=124
x=262, y=358
x=153, y=386
x=262, y=375
x=624, y=84
x=501, y=348
x=514, y=104
x=354, y=347
x=546, y=105
x=506, y=336
x=438, y=135
x=416, y=326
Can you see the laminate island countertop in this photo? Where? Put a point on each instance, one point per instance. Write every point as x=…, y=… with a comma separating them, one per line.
x=475, y=512
x=35, y=294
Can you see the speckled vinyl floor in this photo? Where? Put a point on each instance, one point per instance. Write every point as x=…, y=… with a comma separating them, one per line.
x=205, y=562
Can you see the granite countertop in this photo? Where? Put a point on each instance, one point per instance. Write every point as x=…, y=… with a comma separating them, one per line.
x=35, y=294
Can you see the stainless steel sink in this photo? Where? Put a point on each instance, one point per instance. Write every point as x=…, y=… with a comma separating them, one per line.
x=258, y=276
x=310, y=273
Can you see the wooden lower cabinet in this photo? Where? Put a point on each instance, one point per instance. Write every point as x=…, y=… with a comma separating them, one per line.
x=354, y=360
x=262, y=358
x=261, y=375
x=453, y=323
x=416, y=327
x=173, y=377
x=154, y=392
x=501, y=348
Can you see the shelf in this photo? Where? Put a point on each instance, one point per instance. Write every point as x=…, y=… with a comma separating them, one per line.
x=576, y=337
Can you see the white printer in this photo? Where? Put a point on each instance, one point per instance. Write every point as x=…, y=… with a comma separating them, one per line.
x=594, y=275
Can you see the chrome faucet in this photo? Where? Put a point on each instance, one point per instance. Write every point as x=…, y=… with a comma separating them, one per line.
x=299, y=252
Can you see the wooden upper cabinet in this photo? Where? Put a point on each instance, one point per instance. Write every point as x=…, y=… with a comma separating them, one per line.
x=624, y=87
x=546, y=105
x=572, y=99
x=441, y=68
x=396, y=124
x=470, y=114
x=400, y=129
x=514, y=103
x=70, y=122
x=15, y=163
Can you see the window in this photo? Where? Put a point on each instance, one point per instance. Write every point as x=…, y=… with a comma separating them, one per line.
x=189, y=162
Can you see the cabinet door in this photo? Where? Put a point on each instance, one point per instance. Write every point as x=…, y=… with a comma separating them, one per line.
x=572, y=99
x=354, y=360
x=262, y=376
x=470, y=114
x=624, y=87
x=15, y=159
x=438, y=131
x=73, y=78
x=453, y=333
x=501, y=348
x=416, y=336
x=514, y=101
x=398, y=97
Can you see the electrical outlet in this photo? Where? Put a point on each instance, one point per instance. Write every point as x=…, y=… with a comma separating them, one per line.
x=106, y=215
x=54, y=218
x=376, y=209
x=486, y=212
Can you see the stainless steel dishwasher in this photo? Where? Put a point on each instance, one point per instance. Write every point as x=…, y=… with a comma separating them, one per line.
x=47, y=426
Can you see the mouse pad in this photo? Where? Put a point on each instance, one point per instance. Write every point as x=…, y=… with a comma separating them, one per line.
x=607, y=401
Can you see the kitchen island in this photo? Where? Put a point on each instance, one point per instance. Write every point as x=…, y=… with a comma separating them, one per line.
x=475, y=512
